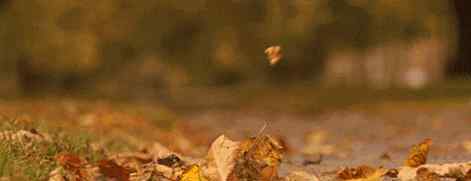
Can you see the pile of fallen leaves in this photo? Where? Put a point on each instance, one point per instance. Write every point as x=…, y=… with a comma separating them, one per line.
x=257, y=158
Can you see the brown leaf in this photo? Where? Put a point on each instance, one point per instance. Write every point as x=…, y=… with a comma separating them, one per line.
x=392, y=173
x=418, y=154
x=451, y=170
x=273, y=54
x=359, y=172
x=74, y=165
x=258, y=159
x=468, y=175
x=221, y=157
x=70, y=161
x=112, y=170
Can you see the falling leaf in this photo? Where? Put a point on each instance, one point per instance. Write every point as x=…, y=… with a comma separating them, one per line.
x=193, y=174
x=418, y=154
x=359, y=172
x=274, y=54
x=221, y=157
x=112, y=170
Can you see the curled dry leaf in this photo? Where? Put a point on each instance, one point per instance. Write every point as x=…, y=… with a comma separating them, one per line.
x=221, y=158
x=418, y=154
x=258, y=159
x=274, y=54
x=359, y=172
x=193, y=174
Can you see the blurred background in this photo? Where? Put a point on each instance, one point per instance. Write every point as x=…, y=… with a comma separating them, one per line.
x=179, y=50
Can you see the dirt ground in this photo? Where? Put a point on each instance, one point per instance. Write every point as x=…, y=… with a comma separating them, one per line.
x=357, y=136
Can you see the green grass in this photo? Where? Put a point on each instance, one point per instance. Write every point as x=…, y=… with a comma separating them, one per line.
x=35, y=162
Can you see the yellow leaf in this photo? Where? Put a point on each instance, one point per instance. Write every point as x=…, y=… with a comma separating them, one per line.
x=193, y=174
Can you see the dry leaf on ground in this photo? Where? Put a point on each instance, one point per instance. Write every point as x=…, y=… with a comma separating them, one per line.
x=359, y=172
x=70, y=161
x=454, y=170
x=221, y=158
x=257, y=159
x=418, y=154
x=73, y=167
x=194, y=173
x=111, y=170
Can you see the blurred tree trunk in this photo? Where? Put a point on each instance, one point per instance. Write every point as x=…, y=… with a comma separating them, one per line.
x=462, y=64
